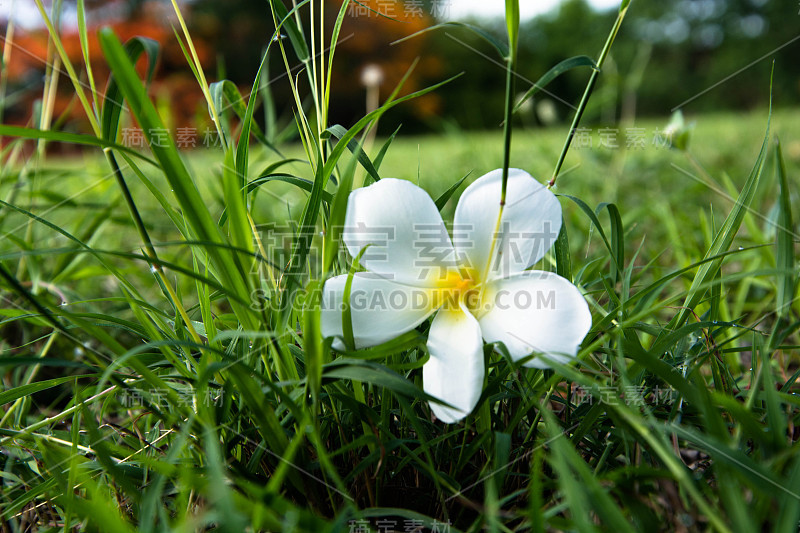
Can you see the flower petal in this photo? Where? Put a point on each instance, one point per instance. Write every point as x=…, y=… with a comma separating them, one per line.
x=530, y=225
x=455, y=371
x=409, y=241
x=535, y=312
x=380, y=309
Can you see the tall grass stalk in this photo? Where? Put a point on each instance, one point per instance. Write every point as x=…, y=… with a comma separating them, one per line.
x=5, y=59
x=587, y=93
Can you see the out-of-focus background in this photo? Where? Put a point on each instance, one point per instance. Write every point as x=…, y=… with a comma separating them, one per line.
x=699, y=55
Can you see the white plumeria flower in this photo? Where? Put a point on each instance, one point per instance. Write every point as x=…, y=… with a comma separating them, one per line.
x=478, y=281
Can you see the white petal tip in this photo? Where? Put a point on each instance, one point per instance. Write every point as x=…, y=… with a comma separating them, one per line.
x=447, y=415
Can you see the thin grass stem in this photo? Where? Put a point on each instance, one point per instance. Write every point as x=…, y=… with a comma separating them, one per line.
x=588, y=91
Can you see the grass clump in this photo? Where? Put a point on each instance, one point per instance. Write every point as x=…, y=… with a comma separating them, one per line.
x=164, y=368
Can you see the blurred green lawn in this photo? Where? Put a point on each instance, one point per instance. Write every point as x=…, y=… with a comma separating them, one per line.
x=662, y=194
x=723, y=143
x=666, y=199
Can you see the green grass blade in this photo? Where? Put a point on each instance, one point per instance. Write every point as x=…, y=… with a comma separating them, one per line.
x=617, y=240
x=562, y=253
x=580, y=485
x=238, y=220
x=355, y=147
x=337, y=27
x=199, y=221
x=70, y=138
x=723, y=239
x=248, y=125
x=553, y=73
x=384, y=148
x=83, y=37
x=294, y=31
x=497, y=44
x=315, y=349
x=784, y=240
x=789, y=508
x=226, y=91
x=112, y=101
x=443, y=198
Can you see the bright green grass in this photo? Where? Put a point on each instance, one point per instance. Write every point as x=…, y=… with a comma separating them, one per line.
x=143, y=391
x=617, y=463
x=665, y=210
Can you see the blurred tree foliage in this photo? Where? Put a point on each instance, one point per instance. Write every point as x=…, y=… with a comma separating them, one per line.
x=174, y=87
x=666, y=55
x=701, y=54
x=240, y=30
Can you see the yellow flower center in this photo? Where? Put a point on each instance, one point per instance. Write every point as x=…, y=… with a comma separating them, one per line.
x=458, y=286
